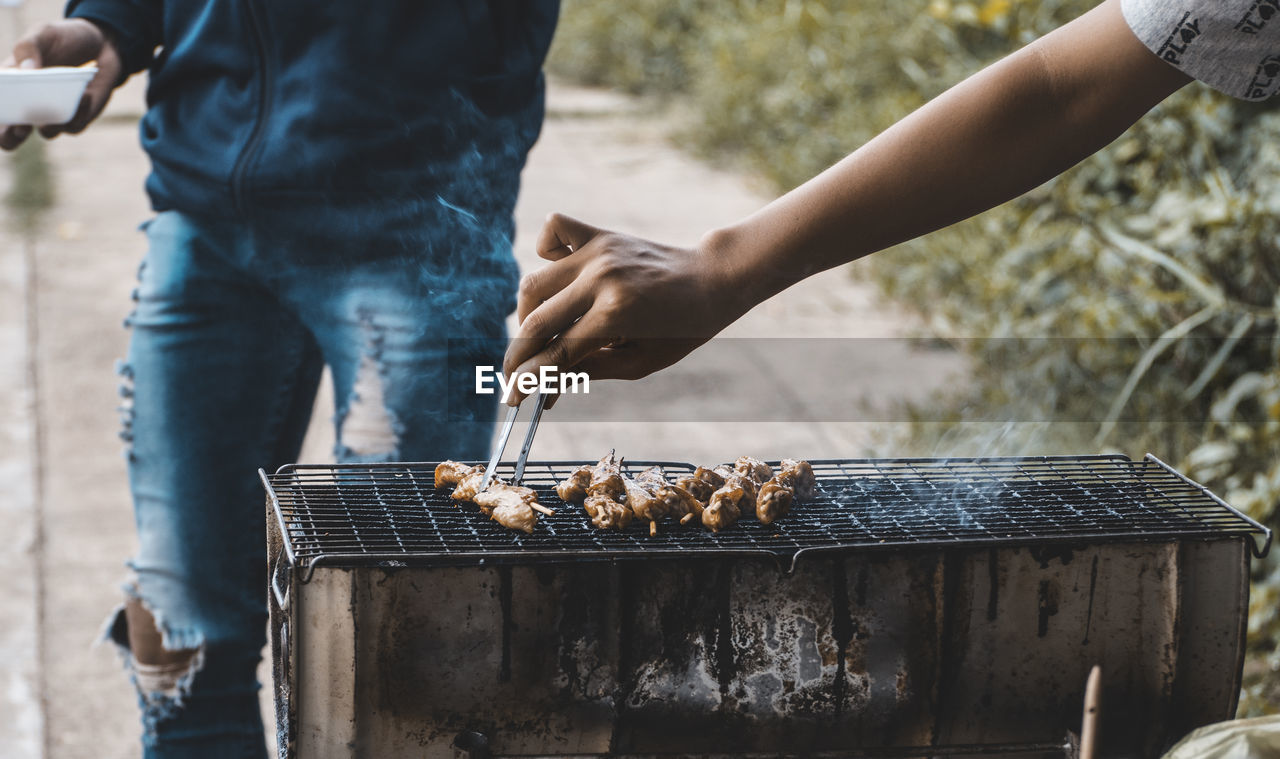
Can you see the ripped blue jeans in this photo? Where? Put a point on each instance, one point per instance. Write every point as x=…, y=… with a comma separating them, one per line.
x=230, y=333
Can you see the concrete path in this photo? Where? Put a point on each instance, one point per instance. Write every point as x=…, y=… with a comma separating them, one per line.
x=63, y=497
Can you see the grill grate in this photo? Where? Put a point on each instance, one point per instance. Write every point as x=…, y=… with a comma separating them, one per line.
x=362, y=514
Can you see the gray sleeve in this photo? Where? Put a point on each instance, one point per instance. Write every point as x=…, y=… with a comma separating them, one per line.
x=1231, y=45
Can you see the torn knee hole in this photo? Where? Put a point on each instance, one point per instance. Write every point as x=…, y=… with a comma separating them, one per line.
x=146, y=642
x=367, y=426
x=163, y=675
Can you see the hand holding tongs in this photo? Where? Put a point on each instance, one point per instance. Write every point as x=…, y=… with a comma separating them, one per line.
x=489, y=470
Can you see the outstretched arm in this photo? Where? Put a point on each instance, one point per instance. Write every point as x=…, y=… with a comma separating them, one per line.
x=119, y=35
x=621, y=307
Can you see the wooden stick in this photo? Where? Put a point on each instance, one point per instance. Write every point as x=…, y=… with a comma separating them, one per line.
x=541, y=509
x=653, y=528
x=687, y=518
x=1089, y=723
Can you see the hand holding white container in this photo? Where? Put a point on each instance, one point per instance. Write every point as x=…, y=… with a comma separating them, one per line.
x=42, y=96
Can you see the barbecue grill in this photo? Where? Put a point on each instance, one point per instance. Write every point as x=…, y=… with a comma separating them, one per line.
x=913, y=607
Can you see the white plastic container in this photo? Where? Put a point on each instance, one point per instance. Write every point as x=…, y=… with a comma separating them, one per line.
x=42, y=96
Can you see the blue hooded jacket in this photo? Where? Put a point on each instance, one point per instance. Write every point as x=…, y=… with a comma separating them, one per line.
x=354, y=119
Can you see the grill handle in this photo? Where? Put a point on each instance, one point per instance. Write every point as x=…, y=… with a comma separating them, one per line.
x=279, y=583
x=1258, y=553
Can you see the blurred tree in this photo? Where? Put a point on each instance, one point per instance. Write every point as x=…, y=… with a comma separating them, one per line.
x=31, y=192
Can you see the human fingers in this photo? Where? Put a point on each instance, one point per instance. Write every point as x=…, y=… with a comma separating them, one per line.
x=27, y=54
x=561, y=235
x=99, y=90
x=540, y=285
x=49, y=131
x=28, y=51
x=581, y=339
x=12, y=137
x=546, y=321
x=96, y=94
x=70, y=42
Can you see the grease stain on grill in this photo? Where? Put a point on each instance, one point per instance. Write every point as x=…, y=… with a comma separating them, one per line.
x=723, y=643
x=1093, y=589
x=993, y=585
x=842, y=627
x=1047, y=606
x=1046, y=554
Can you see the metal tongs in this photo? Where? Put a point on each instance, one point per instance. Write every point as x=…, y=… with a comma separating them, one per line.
x=489, y=471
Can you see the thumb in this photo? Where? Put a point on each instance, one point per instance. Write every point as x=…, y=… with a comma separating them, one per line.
x=561, y=235
x=27, y=52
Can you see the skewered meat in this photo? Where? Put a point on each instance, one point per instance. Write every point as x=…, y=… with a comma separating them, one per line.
x=651, y=479
x=753, y=468
x=606, y=513
x=724, y=509
x=641, y=496
x=574, y=487
x=717, y=497
x=511, y=506
x=606, y=479
x=451, y=473
x=737, y=494
x=469, y=486
x=465, y=479
x=701, y=484
x=602, y=491
x=679, y=503
x=803, y=480
x=794, y=481
x=643, y=503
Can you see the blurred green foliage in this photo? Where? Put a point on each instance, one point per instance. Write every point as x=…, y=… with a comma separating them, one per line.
x=1171, y=232
x=31, y=191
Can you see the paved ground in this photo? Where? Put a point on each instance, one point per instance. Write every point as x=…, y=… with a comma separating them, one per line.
x=63, y=499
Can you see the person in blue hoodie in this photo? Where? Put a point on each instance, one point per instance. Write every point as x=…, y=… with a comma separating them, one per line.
x=333, y=184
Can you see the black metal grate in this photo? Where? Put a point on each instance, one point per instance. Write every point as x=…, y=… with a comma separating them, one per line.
x=391, y=513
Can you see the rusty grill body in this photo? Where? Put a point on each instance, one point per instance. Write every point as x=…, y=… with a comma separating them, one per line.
x=955, y=605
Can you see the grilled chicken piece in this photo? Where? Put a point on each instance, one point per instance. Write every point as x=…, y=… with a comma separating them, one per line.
x=511, y=506
x=701, y=484
x=643, y=504
x=651, y=479
x=451, y=473
x=469, y=485
x=642, y=499
x=603, y=493
x=753, y=468
x=724, y=509
x=606, y=479
x=606, y=513
x=736, y=495
x=774, y=501
x=803, y=481
x=734, y=477
x=679, y=503
x=574, y=487
x=796, y=480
